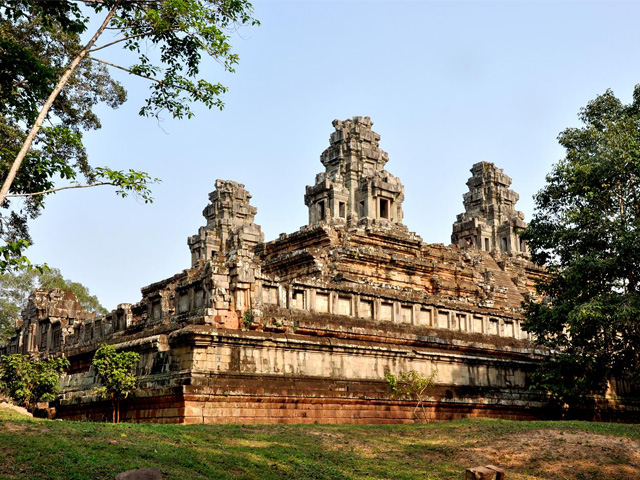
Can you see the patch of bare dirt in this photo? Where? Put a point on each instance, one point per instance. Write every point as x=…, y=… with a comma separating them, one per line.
x=554, y=454
x=15, y=408
x=13, y=427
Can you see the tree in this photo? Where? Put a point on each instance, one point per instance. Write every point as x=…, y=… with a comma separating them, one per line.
x=412, y=385
x=15, y=289
x=50, y=81
x=116, y=371
x=586, y=230
x=28, y=381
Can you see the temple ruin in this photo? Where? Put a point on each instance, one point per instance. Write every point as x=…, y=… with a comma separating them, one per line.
x=304, y=328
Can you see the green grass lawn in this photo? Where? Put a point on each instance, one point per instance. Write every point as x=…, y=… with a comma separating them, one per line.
x=43, y=449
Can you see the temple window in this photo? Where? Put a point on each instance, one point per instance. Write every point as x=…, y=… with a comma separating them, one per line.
x=344, y=305
x=443, y=319
x=322, y=302
x=462, y=322
x=366, y=309
x=384, y=208
x=509, y=329
x=270, y=295
x=424, y=316
x=183, y=302
x=342, y=210
x=493, y=326
x=56, y=337
x=386, y=311
x=321, y=210
x=43, y=337
x=477, y=324
x=297, y=299
x=156, y=309
x=199, y=297
x=406, y=314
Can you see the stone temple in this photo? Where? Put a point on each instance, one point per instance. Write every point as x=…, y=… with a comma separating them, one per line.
x=304, y=328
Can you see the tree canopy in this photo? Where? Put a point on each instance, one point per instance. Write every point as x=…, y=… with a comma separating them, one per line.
x=50, y=82
x=116, y=371
x=28, y=381
x=586, y=230
x=15, y=289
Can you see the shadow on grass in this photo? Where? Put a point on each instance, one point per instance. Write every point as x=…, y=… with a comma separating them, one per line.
x=40, y=449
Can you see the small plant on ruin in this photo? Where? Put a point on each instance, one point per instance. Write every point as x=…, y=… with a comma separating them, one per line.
x=247, y=319
x=116, y=371
x=27, y=381
x=412, y=385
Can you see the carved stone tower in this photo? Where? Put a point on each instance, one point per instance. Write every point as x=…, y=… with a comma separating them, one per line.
x=490, y=221
x=226, y=246
x=229, y=226
x=354, y=188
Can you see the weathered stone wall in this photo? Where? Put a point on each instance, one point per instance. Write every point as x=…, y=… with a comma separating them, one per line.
x=206, y=370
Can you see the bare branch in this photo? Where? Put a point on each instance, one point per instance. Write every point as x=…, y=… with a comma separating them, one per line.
x=97, y=184
x=118, y=41
x=125, y=69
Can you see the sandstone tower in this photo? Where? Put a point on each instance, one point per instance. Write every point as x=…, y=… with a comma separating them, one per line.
x=230, y=227
x=490, y=221
x=355, y=188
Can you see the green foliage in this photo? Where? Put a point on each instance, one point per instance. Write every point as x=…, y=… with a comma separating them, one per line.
x=116, y=371
x=392, y=380
x=411, y=385
x=9, y=315
x=247, y=319
x=15, y=289
x=129, y=182
x=28, y=381
x=586, y=229
x=11, y=255
x=183, y=30
x=38, y=41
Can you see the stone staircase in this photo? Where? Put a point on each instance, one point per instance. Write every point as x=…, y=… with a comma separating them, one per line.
x=505, y=292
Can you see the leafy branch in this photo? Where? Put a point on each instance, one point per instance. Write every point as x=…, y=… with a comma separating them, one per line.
x=411, y=385
x=133, y=181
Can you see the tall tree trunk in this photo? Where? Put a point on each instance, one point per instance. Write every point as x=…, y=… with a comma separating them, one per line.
x=113, y=409
x=47, y=106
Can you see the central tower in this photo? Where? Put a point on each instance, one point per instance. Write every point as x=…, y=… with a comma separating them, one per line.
x=354, y=189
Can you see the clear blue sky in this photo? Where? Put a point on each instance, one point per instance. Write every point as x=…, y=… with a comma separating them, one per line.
x=447, y=84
